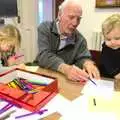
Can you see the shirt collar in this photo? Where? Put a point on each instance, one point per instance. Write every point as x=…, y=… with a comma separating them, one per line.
x=69, y=40
x=62, y=37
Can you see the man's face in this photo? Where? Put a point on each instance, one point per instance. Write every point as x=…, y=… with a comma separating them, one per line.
x=113, y=38
x=69, y=19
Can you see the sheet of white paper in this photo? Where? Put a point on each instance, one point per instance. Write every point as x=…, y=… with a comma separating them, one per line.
x=57, y=104
x=103, y=88
x=32, y=68
x=89, y=116
x=79, y=106
x=79, y=110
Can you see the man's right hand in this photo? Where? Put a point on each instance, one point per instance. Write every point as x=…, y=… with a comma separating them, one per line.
x=73, y=72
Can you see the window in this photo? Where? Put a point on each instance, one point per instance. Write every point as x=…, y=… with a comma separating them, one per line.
x=40, y=11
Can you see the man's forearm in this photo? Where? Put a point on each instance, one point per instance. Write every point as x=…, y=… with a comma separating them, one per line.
x=49, y=60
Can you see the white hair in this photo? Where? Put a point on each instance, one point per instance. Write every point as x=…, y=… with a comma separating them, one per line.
x=66, y=2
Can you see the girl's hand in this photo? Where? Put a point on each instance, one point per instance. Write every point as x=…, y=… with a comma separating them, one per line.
x=11, y=61
x=15, y=60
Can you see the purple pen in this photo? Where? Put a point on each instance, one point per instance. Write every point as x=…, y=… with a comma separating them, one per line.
x=29, y=114
x=6, y=107
x=3, y=108
x=27, y=84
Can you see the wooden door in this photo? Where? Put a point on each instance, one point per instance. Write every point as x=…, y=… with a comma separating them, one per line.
x=28, y=28
x=57, y=3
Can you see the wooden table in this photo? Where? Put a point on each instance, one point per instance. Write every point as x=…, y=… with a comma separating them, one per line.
x=67, y=88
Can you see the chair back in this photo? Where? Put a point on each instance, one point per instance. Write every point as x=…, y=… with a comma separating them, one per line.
x=96, y=56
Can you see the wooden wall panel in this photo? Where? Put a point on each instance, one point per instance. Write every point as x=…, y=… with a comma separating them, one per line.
x=57, y=3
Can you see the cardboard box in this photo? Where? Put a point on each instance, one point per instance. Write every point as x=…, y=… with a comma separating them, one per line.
x=29, y=101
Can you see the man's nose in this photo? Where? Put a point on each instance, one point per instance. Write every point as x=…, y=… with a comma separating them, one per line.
x=75, y=22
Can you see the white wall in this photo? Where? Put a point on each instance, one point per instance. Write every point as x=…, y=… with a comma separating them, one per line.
x=91, y=22
x=93, y=18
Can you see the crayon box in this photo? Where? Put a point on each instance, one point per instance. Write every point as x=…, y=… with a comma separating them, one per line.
x=30, y=101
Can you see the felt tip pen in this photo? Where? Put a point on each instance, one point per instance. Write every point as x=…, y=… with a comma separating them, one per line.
x=19, y=84
x=6, y=107
x=88, y=79
x=85, y=78
x=92, y=81
x=8, y=104
x=13, y=85
x=29, y=114
x=40, y=84
x=94, y=101
x=18, y=56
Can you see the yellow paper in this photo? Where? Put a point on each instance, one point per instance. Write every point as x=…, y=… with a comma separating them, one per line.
x=105, y=104
x=32, y=68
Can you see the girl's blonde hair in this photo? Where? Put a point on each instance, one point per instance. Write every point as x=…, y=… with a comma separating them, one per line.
x=110, y=23
x=10, y=35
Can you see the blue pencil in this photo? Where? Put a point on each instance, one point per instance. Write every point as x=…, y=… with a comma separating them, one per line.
x=92, y=81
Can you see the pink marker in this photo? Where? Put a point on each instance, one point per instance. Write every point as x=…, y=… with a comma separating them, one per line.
x=18, y=56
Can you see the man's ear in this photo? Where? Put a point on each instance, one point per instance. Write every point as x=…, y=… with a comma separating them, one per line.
x=59, y=15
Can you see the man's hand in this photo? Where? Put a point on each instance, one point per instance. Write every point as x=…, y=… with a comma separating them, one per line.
x=73, y=72
x=91, y=69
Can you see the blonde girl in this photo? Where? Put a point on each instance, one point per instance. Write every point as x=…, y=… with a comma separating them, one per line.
x=10, y=40
x=110, y=55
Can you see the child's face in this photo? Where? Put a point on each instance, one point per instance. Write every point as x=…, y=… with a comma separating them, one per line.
x=112, y=39
x=5, y=47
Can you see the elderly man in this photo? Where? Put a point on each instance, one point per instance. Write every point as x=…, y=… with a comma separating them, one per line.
x=62, y=48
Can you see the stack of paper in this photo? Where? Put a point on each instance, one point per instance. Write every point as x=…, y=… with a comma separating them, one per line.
x=107, y=103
